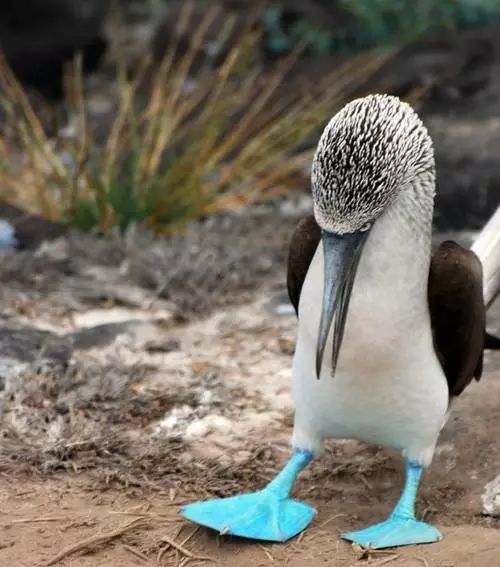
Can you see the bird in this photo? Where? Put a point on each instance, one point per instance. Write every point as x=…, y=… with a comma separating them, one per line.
x=389, y=334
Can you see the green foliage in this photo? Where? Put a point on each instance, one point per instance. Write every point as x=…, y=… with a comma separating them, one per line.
x=376, y=23
x=379, y=22
x=280, y=40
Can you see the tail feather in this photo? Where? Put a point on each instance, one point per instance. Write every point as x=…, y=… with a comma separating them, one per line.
x=487, y=247
x=491, y=342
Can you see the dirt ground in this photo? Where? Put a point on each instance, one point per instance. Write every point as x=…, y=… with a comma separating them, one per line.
x=40, y=520
x=116, y=411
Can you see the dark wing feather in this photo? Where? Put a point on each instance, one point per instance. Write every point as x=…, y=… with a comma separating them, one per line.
x=458, y=314
x=491, y=342
x=303, y=245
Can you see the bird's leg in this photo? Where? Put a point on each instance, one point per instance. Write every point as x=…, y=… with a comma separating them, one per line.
x=269, y=514
x=405, y=508
x=283, y=482
x=401, y=528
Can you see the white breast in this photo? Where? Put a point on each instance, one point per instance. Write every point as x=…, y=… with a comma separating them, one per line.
x=389, y=387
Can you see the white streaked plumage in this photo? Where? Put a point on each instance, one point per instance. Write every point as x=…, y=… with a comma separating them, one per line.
x=368, y=153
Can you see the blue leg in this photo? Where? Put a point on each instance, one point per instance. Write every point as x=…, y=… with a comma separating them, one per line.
x=269, y=514
x=401, y=528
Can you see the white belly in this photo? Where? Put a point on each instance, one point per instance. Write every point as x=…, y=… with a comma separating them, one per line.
x=389, y=387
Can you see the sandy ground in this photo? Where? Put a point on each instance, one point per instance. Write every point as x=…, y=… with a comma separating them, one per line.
x=41, y=520
x=224, y=429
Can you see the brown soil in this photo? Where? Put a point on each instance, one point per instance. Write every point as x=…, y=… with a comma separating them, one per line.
x=41, y=519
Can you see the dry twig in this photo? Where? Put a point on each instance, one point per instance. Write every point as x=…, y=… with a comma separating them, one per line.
x=269, y=556
x=94, y=541
x=386, y=560
x=192, y=534
x=136, y=552
x=181, y=549
x=37, y=520
x=330, y=519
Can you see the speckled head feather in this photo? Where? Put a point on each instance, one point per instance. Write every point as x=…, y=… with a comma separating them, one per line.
x=370, y=151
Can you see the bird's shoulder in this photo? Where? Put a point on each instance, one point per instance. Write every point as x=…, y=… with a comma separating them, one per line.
x=458, y=314
x=303, y=245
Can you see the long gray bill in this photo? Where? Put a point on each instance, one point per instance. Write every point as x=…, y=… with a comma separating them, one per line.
x=341, y=258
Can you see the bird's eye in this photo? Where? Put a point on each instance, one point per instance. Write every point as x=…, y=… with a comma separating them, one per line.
x=366, y=227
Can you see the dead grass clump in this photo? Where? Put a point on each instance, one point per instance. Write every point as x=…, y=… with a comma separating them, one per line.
x=76, y=452
x=190, y=142
x=114, y=458
x=209, y=264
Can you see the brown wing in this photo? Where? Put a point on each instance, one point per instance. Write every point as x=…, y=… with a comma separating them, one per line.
x=458, y=314
x=303, y=245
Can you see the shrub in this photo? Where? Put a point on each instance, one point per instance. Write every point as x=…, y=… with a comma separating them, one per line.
x=189, y=141
x=373, y=23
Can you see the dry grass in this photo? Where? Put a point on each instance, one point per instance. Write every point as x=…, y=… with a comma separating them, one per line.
x=212, y=264
x=185, y=140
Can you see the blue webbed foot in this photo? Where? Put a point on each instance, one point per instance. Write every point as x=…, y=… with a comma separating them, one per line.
x=261, y=515
x=269, y=514
x=401, y=528
x=394, y=532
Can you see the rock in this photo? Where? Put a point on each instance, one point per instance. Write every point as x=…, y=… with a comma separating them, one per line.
x=168, y=345
x=175, y=421
x=25, y=344
x=99, y=335
x=468, y=191
x=448, y=67
x=467, y=144
x=10, y=373
x=491, y=498
x=26, y=352
x=40, y=36
x=7, y=238
x=27, y=230
x=206, y=425
x=453, y=80
x=93, y=318
x=280, y=305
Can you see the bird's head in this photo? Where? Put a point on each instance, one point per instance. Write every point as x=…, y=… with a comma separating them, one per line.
x=370, y=152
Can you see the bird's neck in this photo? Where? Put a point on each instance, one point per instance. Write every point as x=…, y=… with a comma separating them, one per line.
x=395, y=261
x=409, y=218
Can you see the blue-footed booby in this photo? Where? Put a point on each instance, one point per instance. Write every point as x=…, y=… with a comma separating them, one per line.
x=388, y=334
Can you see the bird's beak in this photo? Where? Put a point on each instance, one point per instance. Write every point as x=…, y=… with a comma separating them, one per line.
x=341, y=256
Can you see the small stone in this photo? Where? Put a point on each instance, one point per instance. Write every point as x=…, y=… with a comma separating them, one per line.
x=208, y=424
x=206, y=397
x=7, y=235
x=197, y=429
x=491, y=498
x=286, y=346
x=168, y=345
